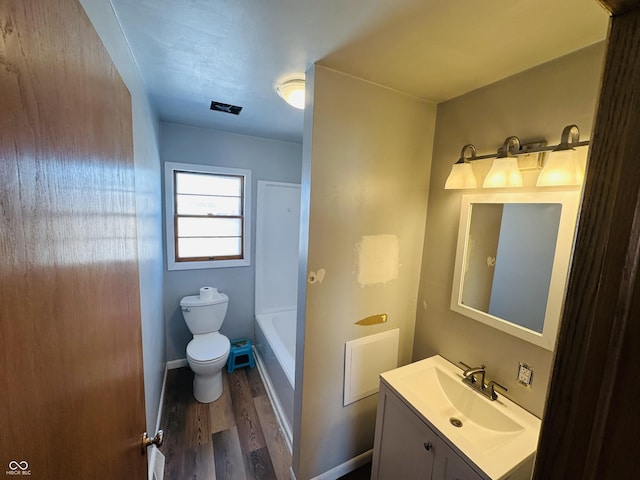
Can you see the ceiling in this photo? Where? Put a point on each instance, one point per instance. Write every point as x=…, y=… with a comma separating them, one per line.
x=191, y=52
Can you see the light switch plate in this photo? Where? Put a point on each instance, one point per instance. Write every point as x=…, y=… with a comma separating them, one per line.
x=525, y=375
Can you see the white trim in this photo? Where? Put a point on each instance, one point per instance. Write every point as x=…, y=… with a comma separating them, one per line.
x=162, y=391
x=154, y=450
x=346, y=467
x=151, y=461
x=169, y=168
x=173, y=364
x=275, y=402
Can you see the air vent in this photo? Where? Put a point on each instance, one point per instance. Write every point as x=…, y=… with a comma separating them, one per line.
x=226, y=108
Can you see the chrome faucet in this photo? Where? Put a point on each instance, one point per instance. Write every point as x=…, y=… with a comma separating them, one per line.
x=474, y=377
x=470, y=373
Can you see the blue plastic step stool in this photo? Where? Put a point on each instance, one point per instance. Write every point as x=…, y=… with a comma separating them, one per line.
x=240, y=355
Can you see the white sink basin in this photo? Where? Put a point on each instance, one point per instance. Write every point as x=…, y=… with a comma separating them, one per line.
x=498, y=436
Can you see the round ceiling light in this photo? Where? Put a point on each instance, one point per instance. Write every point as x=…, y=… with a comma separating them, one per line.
x=292, y=92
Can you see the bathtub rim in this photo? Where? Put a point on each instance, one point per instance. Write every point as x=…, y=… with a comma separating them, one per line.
x=286, y=361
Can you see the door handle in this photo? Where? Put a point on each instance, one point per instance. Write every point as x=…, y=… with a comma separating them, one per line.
x=428, y=446
x=157, y=440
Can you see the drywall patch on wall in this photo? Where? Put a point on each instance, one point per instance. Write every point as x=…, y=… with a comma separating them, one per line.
x=378, y=259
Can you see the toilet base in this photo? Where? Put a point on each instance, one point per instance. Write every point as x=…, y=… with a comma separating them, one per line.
x=207, y=388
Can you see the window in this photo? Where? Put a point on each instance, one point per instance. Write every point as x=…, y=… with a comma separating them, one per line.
x=208, y=219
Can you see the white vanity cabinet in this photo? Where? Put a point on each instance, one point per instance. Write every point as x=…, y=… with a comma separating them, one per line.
x=430, y=425
x=407, y=448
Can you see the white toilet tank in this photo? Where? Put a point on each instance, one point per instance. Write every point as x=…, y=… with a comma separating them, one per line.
x=204, y=314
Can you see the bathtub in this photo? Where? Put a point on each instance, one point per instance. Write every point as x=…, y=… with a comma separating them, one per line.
x=275, y=351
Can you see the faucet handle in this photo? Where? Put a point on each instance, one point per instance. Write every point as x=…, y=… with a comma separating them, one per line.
x=492, y=390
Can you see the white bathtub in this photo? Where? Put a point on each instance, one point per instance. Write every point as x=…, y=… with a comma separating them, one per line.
x=275, y=345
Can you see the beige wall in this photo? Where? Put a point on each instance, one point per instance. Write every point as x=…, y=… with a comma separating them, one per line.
x=367, y=154
x=533, y=105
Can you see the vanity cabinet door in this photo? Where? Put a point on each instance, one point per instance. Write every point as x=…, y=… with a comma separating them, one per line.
x=404, y=446
x=450, y=466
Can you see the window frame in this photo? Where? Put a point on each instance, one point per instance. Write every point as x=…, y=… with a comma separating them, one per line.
x=170, y=169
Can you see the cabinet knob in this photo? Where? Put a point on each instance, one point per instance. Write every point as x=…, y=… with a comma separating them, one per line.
x=428, y=446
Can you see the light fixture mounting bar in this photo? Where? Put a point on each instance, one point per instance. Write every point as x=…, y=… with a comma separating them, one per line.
x=527, y=151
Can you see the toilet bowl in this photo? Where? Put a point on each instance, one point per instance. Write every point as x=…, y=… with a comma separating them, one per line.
x=208, y=351
x=207, y=355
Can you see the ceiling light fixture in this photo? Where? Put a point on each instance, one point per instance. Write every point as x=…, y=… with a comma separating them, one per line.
x=561, y=169
x=292, y=92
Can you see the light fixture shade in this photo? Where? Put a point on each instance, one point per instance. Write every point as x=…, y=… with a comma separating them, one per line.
x=562, y=168
x=292, y=92
x=504, y=172
x=461, y=177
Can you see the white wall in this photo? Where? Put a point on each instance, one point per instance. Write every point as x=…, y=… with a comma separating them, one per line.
x=268, y=160
x=367, y=154
x=148, y=201
x=533, y=105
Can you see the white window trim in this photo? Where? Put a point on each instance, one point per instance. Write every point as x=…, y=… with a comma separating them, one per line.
x=169, y=168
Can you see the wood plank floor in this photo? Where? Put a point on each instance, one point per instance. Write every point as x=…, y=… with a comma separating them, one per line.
x=234, y=438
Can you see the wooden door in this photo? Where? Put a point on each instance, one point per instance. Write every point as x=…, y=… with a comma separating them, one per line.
x=71, y=387
x=591, y=422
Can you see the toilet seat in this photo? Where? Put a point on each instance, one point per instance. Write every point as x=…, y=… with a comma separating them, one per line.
x=208, y=347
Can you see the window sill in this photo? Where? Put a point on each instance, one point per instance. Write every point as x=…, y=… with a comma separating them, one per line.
x=208, y=264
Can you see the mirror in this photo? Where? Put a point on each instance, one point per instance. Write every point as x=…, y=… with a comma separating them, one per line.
x=512, y=261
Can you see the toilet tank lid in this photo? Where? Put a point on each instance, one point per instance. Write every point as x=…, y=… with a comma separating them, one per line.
x=196, y=301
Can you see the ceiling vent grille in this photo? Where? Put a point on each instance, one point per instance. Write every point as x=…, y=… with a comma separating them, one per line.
x=225, y=107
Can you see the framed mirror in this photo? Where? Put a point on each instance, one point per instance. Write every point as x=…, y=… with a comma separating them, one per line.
x=512, y=261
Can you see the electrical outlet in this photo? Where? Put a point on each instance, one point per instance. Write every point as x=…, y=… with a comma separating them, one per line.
x=525, y=374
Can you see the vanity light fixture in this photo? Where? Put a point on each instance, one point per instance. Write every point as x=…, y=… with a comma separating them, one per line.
x=462, y=175
x=559, y=170
x=292, y=92
x=504, y=169
x=562, y=167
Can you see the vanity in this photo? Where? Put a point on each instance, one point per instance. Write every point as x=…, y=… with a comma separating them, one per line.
x=430, y=425
x=437, y=421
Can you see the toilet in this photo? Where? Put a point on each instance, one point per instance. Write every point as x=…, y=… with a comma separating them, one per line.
x=207, y=353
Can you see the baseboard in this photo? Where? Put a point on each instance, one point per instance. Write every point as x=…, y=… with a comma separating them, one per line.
x=162, y=392
x=155, y=457
x=273, y=398
x=346, y=467
x=156, y=465
x=173, y=364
